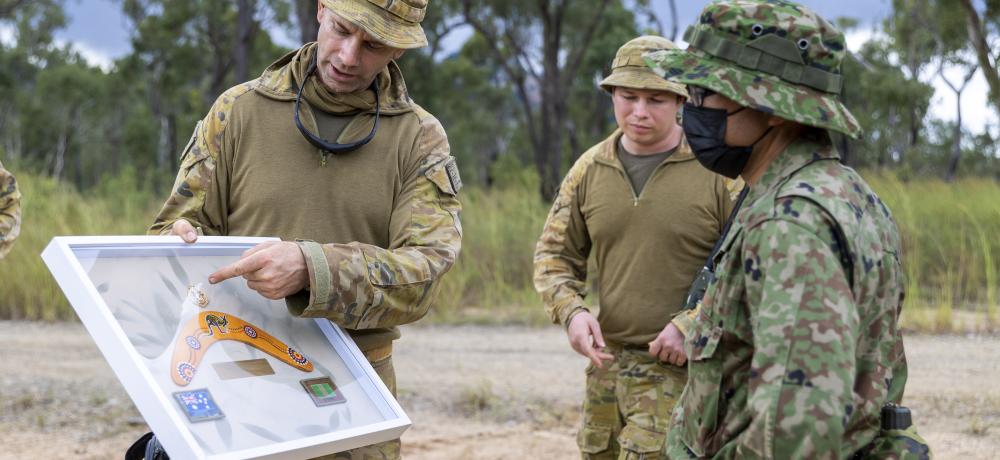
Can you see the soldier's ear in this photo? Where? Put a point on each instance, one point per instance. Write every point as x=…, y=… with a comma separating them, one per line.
x=398, y=54
x=319, y=11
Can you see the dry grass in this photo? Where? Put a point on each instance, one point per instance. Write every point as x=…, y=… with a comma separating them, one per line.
x=951, y=253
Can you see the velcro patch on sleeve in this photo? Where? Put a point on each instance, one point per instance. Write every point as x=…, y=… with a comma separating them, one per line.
x=445, y=176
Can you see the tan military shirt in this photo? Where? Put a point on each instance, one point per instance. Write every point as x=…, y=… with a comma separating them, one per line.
x=383, y=220
x=648, y=246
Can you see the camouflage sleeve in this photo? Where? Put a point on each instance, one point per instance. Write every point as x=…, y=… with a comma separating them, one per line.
x=10, y=211
x=361, y=286
x=805, y=327
x=562, y=249
x=195, y=195
x=685, y=318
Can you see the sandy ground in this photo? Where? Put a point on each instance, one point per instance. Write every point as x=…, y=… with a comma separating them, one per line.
x=472, y=392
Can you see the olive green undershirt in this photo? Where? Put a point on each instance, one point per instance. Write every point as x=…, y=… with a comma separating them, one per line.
x=330, y=126
x=640, y=167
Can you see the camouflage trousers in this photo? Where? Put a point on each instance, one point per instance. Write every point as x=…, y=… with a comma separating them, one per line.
x=627, y=409
x=388, y=450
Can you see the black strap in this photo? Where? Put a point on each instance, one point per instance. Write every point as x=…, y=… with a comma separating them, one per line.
x=710, y=263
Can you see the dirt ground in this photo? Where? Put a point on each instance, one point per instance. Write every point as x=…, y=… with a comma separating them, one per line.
x=472, y=392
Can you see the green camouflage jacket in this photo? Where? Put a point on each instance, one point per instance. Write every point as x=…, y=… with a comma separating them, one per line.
x=378, y=226
x=796, y=346
x=10, y=211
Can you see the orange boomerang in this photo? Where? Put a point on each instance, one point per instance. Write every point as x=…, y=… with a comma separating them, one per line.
x=212, y=326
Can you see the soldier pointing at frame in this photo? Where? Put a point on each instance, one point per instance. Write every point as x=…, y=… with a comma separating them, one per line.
x=327, y=151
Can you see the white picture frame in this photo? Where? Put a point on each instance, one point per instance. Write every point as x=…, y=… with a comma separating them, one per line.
x=125, y=290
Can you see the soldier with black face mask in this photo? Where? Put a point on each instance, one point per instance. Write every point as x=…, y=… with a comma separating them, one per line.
x=796, y=350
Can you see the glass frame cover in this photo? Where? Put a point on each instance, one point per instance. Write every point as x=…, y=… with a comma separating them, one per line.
x=218, y=371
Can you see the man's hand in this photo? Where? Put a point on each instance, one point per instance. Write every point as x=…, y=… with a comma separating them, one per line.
x=185, y=230
x=275, y=269
x=585, y=338
x=668, y=346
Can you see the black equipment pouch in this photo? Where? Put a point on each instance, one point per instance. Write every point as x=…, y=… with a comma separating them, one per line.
x=146, y=447
x=898, y=438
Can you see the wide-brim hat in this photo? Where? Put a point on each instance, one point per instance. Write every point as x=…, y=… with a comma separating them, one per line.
x=629, y=70
x=395, y=23
x=776, y=57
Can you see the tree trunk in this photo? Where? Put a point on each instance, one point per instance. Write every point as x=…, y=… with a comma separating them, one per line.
x=987, y=61
x=956, y=146
x=673, y=20
x=220, y=64
x=956, y=149
x=305, y=13
x=549, y=159
x=60, y=155
x=246, y=31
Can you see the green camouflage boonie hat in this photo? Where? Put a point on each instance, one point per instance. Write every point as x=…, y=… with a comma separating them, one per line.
x=629, y=70
x=774, y=56
x=393, y=22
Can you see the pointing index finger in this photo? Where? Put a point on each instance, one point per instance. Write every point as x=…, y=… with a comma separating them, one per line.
x=238, y=268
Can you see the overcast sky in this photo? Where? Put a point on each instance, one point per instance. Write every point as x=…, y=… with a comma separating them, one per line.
x=97, y=30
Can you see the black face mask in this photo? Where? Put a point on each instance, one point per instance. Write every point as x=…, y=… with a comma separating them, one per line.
x=705, y=129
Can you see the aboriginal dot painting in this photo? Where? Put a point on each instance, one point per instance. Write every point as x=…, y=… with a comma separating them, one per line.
x=210, y=327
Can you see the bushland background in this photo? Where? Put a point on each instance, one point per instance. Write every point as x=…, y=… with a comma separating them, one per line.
x=95, y=147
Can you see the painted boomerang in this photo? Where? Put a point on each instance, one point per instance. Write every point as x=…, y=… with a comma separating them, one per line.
x=212, y=326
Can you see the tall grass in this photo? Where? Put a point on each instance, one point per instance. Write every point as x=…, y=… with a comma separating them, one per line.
x=120, y=206
x=951, y=248
x=491, y=281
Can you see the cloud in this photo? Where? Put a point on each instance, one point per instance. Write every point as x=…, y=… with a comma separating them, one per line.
x=6, y=35
x=91, y=55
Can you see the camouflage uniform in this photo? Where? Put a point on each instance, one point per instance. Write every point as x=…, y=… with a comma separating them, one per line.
x=796, y=346
x=648, y=245
x=10, y=211
x=378, y=226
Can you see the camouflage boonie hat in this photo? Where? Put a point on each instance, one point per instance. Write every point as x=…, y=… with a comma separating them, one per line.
x=393, y=22
x=628, y=70
x=773, y=56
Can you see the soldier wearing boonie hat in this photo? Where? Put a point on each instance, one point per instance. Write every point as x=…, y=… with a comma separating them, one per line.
x=327, y=151
x=649, y=213
x=395, y=23
x=796, y=350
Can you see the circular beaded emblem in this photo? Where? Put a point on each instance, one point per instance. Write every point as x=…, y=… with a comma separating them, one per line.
x=250, y=332
x=186, y=371
x=296, y=356
x=193, y=342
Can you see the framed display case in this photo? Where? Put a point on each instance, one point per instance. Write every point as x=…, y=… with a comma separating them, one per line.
x=218, y=371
